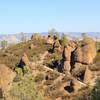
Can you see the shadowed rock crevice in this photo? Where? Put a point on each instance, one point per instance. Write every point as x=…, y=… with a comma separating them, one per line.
x=21, y=64
x=80, y=77
x=72, y=61
x=1, y=94
x=70, y=88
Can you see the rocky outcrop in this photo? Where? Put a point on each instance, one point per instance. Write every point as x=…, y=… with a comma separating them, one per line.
x=56, y=46
x=76, y=61
x=67, y=53
x=66, y=58
x=50, y=40
x=86, y=53
x=24, y=61
x=35, y=36
x=83, y=57
x=6, y=78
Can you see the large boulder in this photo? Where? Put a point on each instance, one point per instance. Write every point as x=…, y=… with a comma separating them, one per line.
x=86, y=53
x=6, y=78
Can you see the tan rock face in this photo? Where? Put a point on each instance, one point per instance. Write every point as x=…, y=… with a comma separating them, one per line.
x=89, y=53
x=67, y=58
x=67, y=66
x=88, y=77
x=6, y=77
x=86, y=53
x=56, y=46
x=67, y=53
x=24, y=61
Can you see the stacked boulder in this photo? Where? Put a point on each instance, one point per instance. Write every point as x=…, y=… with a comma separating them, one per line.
x=86, y=53
x=67, y=56
x=82, y=56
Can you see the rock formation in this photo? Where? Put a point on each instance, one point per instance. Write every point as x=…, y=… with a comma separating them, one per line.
x=86, y=53
x=56, y=46
x=76, y=61
x=67, y=58
x=83, y=57
x=50, y=40
x=24, y=61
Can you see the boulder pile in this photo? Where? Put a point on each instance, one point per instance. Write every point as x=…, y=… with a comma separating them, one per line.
x=77, y=59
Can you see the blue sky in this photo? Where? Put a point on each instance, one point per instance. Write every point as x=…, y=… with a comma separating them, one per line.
x=41, y=15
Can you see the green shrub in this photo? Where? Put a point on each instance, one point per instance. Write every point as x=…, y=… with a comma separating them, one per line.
x=64, y=39
x=25, y=88
x=4, y=44
x=95, y=95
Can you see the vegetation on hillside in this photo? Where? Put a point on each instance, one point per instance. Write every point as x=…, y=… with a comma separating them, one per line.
x=24, y=87
x=44, y=82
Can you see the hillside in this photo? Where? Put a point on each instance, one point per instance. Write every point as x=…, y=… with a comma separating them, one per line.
x=61, y=72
